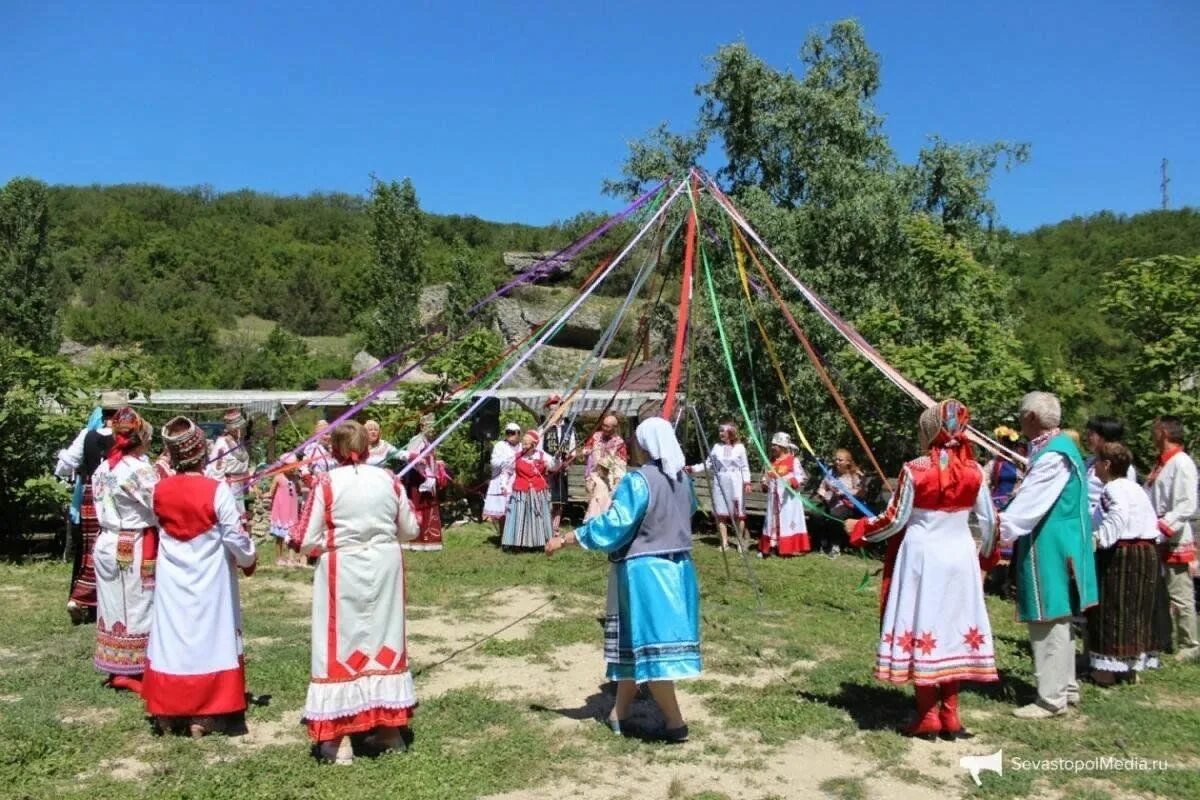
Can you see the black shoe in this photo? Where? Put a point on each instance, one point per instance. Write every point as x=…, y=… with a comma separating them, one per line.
x=326, y=752
x=953, y=736
x=674, y=735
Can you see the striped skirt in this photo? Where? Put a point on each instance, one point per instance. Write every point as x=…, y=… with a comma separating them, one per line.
x=1120, y=629
x=528, y=523
x=83, y=573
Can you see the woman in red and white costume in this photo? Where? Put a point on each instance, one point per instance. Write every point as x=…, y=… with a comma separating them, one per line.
x=195, y=677
x=935, y=631
x=784, y=529
x=354, y=522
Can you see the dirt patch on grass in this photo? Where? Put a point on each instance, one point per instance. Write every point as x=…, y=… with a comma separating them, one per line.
x=88, y=716
x=505, y=615
x=269, y=733
x=795, y=771
x=297, y=591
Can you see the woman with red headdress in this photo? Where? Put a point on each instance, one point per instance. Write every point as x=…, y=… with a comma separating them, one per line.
x=123, y=486
x=935, y=631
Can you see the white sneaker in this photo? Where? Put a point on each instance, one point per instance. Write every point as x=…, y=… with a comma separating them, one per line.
x=1188, y=654
x=1037, y=711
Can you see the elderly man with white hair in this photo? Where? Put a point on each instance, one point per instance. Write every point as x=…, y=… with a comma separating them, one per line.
x=1048, y=526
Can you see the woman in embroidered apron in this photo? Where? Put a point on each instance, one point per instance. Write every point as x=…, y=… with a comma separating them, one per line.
x=123, y=487
x=935, y=631
x=353, y=523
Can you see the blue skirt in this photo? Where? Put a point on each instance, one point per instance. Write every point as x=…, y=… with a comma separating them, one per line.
x=528, y=522
x=652, y=620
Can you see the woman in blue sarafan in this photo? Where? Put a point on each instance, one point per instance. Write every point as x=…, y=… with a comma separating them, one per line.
x=652, y=618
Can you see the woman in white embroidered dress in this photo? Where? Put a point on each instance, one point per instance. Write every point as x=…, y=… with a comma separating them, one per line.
x=504, y=457
x=730, y=482
x=123, y=486
x=935, y=630
x=195, y=678
x=354, y=522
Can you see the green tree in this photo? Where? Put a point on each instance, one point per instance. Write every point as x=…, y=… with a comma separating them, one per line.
x=808, y=162
x=395, y=278
x=470, y=284
x=36, y=390
x=1156, y=300
x=29, y=293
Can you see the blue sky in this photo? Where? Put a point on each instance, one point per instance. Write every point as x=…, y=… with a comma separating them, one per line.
x=518, y=110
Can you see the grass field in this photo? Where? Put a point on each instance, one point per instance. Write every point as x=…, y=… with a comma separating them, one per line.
x=506, y=651
x=257, y=329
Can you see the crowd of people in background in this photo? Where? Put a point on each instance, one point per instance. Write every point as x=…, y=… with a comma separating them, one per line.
x=1091, y=553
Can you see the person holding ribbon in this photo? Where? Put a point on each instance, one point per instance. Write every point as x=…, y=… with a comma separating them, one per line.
x=382, y=453
x=652, y=616
x=503, y=463
x=125, y=553
x=195, y=679
x=785, y=530
x=354, y=522
x=730, y=482
x=935, y=631
x=1048, y=527
x=838, y=497
x=81, y=459
x=229, y=458
x=528, y=523
x=426, y=478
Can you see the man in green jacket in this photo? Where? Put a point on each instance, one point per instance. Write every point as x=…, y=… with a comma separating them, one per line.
x=1048, y=527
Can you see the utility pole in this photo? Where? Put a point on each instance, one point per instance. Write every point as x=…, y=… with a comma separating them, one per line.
x=1165, y=182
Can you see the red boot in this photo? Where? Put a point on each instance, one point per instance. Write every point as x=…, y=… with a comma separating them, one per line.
x=126, y=682
x=926, y=724
x=952, y=727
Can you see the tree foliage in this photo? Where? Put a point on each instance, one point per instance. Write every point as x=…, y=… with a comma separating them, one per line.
x=1156, y=301
x=35, y=390
x=898, y=249
x=30, y=293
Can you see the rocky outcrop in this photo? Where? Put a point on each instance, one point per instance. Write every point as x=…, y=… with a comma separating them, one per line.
x=519, y=262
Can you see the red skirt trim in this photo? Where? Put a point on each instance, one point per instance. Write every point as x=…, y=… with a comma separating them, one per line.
x=795, y=545
x=324, y=730
x=209, y=694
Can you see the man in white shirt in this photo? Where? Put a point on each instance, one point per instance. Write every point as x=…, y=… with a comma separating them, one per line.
x=1048, y=525
x=1173, y=493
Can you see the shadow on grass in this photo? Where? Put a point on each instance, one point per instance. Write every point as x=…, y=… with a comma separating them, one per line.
x=599, y=705
x=872, y=707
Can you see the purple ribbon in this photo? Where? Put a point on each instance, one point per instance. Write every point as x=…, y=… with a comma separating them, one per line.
x=561, y=257
x=566, y=254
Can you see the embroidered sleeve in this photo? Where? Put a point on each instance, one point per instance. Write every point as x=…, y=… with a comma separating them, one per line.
x=986, y=518
x=799, y=476
x=894, y=517
x=1037, y=495
x=614, y=528
x=1183, y=496
x=743, y=463
x=1113, y=516
x=70, y=459
x=229, y=525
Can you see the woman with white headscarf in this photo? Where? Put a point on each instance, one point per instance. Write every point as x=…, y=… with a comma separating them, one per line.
x=652, y=619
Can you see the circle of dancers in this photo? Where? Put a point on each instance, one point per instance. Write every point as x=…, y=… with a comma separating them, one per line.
x=160, y=545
